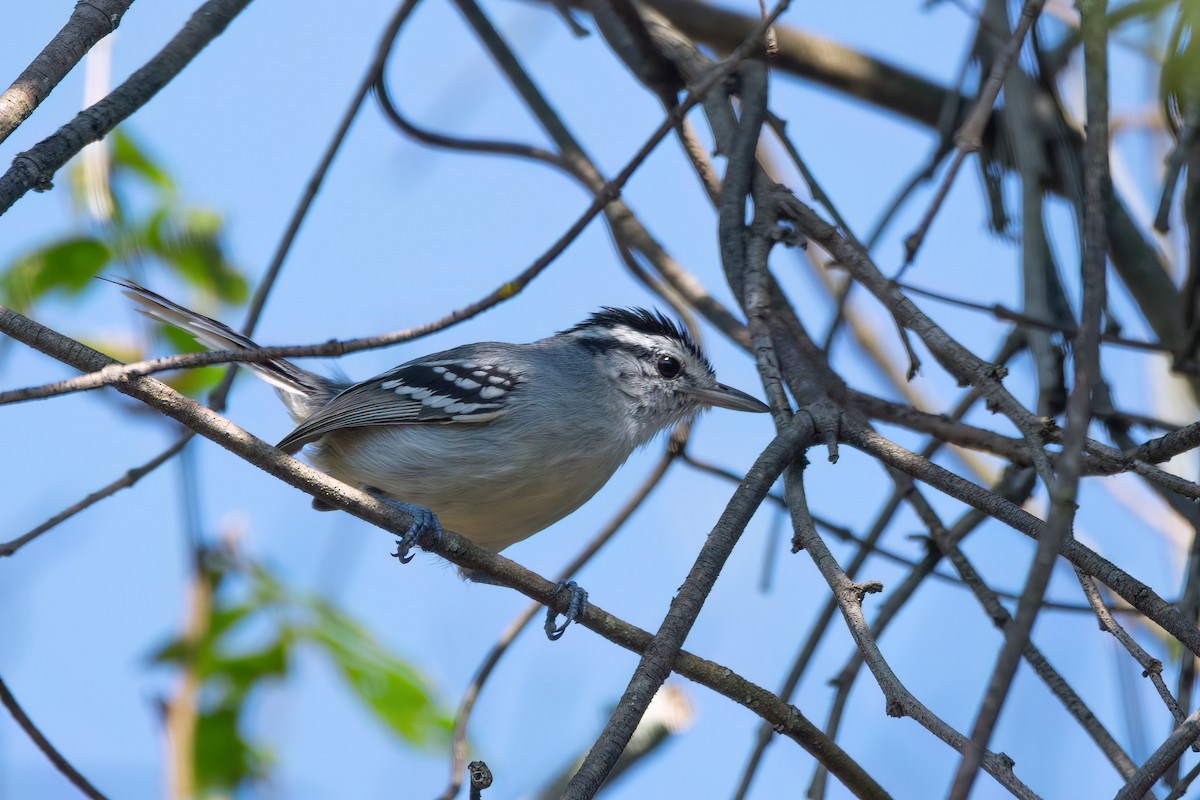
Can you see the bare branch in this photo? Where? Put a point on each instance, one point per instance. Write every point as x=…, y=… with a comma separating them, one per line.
x=35, y=168
x=1151, y=667
x=1124, y=585
x=662, y=651
x=124, y=482
x=1064, y=489
x=56, y=758
x=89, y=23
x=1167, y=754
x=1054, y=681
x=970, y=134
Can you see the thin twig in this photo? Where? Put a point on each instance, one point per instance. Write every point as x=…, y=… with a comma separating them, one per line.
x=304, y=204
x=866, y=546
x=1015, y=485
x=1029, y=321
x=481, y=778
x=624, y=225
x=56, y=758
x=1162, y=219
x=970, y=134
x=779, y=127
x=375, y=69
x=1167, y=754
x=1054, y=681
x=1128, y=588
x=899, y=700
x=485, y=146
x=626, y=228
x=125, y=481
x=1181, y=788
x=1151, y=667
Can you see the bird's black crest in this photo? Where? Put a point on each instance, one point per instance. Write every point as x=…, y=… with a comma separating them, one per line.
x=641, y=320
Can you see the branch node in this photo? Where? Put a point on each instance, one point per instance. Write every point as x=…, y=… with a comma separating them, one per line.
x=861, y=590
x=41, y=177
x=480, y=775
x=113, y=19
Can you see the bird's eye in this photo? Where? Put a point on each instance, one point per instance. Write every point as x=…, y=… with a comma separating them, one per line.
x=669, y=367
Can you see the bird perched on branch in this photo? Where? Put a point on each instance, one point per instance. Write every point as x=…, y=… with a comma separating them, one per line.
x=495, y=441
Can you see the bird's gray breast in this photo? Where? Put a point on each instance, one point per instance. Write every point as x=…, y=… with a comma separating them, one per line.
x=495, y=483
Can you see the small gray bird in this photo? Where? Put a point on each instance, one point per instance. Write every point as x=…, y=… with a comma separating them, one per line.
x=496, y=441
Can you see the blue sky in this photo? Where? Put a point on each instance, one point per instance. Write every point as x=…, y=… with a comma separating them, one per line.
x=401, y=235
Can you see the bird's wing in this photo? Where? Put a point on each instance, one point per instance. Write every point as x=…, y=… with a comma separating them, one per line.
x=439, y=390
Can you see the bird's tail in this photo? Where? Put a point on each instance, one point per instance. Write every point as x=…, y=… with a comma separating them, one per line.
x=285, y=376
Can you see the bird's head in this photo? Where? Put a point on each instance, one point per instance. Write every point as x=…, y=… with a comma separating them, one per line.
x=657, y=366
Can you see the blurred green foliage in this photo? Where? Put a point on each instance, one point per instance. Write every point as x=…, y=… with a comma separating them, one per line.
x=1179, y=81
x=250, y=604
x=131, y=219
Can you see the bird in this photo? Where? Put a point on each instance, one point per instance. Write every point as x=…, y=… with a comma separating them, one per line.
x=492, y=440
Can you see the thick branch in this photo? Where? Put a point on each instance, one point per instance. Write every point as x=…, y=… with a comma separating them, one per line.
x=1167, y=754
x=659, y=657
x=89, y=23
x=1124, y=585
x=35, y=168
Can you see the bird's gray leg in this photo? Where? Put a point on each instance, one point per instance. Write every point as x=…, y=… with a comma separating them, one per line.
x=575, y=606
x=424, y=522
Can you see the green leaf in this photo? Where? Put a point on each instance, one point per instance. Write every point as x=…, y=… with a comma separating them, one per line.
x=189, y=241
x=65, y=267
x=224, y=759
x=196, y=382
x=126, y=154
x=388, y=686
x=191, y=382
x=240, y=673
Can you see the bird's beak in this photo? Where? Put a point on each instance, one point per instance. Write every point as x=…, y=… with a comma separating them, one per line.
x=723, y=396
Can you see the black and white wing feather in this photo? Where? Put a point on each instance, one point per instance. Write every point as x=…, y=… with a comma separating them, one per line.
x=440, y=390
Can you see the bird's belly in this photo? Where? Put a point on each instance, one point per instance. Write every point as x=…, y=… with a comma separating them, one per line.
x=494, y=497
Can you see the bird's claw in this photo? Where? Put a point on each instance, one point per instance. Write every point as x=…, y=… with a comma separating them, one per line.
x=575, y=609
x=425, y=523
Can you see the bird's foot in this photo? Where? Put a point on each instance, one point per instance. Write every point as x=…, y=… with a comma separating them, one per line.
x=425, y=523
x=575, y=608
